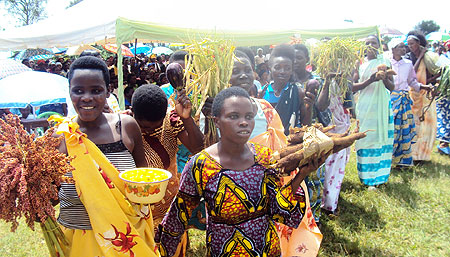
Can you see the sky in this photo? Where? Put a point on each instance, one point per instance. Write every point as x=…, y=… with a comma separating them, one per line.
x=401, y=15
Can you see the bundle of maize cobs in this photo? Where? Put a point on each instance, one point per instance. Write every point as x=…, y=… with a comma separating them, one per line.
x=310, y=142
x=383, y=72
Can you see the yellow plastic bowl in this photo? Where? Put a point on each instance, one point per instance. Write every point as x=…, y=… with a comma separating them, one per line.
x=145, y=185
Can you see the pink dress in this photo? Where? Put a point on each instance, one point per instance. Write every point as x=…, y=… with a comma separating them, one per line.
x=335, y=163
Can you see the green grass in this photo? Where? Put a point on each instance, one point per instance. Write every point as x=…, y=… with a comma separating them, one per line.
x=23, y=242
x=409, y=216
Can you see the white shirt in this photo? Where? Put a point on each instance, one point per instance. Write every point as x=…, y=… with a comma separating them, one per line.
x=406, y=76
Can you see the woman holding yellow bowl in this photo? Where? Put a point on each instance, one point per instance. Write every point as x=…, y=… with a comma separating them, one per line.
x=94, y=213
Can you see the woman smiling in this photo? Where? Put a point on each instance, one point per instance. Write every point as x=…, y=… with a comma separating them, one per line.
x=95, y=216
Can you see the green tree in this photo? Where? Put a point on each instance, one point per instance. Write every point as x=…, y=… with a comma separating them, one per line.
x=27, y=11
x=427, y=26
x=73, y=2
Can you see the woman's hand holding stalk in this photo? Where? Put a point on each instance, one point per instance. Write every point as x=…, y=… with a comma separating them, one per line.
x=183, y=106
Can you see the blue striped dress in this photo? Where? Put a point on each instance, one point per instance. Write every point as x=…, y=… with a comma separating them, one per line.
x=374, y=112
x=404, y=127
x=443, y=119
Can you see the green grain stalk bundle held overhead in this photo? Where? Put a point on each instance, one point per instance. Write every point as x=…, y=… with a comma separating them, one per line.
x=209, y=65
x=339, y=56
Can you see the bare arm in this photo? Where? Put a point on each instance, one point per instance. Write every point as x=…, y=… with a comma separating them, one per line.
x=133, y=140
x=304, y=171
x=64, y=106
x=62, y=149
x=323, y=101
x=355, y=77
x=361, y=85
x=62, y=146
x=433, y=78
x=389, y=83
x=416, y=66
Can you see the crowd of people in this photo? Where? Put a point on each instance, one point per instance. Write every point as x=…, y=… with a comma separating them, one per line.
x=137, y=71
x=229, y=188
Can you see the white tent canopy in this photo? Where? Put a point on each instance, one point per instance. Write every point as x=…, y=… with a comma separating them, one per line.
x=94, y=21
x=260, y=22
x=83, y=23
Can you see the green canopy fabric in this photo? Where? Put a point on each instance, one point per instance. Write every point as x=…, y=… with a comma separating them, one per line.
x=128, y=30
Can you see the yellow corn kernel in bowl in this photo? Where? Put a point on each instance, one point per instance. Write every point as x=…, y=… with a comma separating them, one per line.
x=145, y=185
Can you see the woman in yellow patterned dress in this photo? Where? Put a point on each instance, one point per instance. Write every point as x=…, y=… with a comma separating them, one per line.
x=95, y=215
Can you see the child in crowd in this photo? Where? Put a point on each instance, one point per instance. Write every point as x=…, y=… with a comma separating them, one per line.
x=128, y=94
x=27, y=113
x=293, y=104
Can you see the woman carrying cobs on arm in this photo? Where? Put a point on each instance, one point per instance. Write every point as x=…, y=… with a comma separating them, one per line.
x=94, y=214
x=266, y=118
x=374, y=112
x=243, y=195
